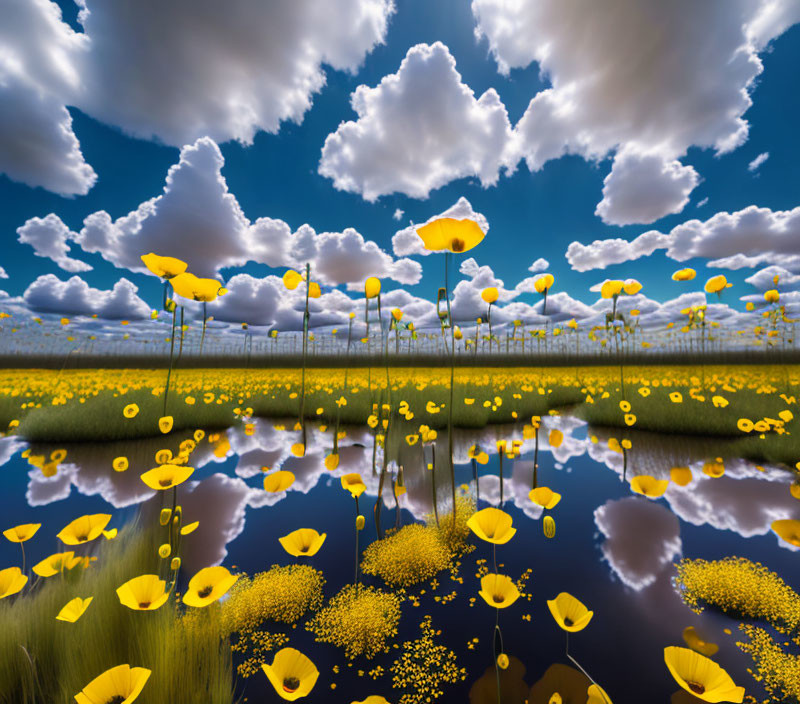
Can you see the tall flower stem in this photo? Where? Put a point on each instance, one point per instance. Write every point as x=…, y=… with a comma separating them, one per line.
x=171, y=353
x=355, y=581
x=305, y=352
x=452, y=379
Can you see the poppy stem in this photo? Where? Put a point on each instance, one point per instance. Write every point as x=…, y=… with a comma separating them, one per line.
x=356, y=575
x=433, y=480
x=452, y=378
x=22, y=547
x=171, y=353
x=578, y=665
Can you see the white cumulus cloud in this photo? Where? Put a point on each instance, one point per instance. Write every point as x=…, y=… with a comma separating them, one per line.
x=616, y=84
x=49, y=237
x=417, y=130
x=49, y=294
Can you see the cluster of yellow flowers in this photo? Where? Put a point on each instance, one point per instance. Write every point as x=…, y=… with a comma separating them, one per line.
x=283, y=594
x=406, y=557
x=360, y=619
x=424, y=667
x=776, y=669
x=740, y=587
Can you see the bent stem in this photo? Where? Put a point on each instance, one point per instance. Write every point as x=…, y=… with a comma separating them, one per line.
x=171, y=353
x=578, y=665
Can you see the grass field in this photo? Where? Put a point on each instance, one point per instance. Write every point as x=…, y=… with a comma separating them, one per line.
x=753, y=406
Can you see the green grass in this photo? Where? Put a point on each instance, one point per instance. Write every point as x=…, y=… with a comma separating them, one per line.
x=45, y=660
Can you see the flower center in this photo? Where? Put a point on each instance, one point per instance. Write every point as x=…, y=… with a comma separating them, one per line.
x=290, y=684
x=457, y=244
x=144, y=604
x=164, y=482
x=82, y=538
x=204, y=592
x=497, y=598
x=568, y=621
x=696, y=687
x=116, y=699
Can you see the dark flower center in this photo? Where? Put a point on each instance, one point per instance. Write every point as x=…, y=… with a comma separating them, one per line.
x=204, y=592
x=696, y=687
x=82, y=538
x=116, y=699
x=164, y=482
x=497, y=598
x=457, y=244
x=290, y=684
x=569, y=622
x=144, y=604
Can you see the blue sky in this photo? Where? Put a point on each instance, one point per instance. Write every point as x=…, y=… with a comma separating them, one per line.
x=531, y=215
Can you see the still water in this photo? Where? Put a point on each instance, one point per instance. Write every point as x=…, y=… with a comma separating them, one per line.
x=613, y=549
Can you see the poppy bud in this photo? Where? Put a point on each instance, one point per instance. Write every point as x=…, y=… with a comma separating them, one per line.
x=165, y=550
x=175, y=564
x=502, y=661
x=360, y=521
x=549, y=526
x=166, y=514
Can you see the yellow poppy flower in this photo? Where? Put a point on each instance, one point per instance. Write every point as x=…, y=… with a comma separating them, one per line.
x=120, y=464
x=130, y=411
x=701, y=676
x=314, y=292
x=498, y=590
x=304, y=542
x=684, y=274
x=696, y=643
x=543, y=283
x=490, y=295
x=11, y=581
x=492, y=525
x=570, y=614
x=448, y=233
x=84, y=529
x=716, y=284
x=165, y=267
x=166, y=476
x=21, y=533
x=292, y=279
x=373, y=699
x=278, y=481
x=682, y=476
x=714, y=469
x=144, y=593
x=332, y=461
x=165, y=424
x=631, y=286
x=189, y=286
x=676, y=397
x=58, y=562
x=208, y=585
x=649, y=486
x=291, y=673
x=788, y=529
x=555, y=438
x=354, y=484
x=611, y=288
x=298, y=449
x=74, y=609
x=372, y=287
x=597, y=695
x=121, y=684
x=544, y=497
x=502, y=661
x=360, y=522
